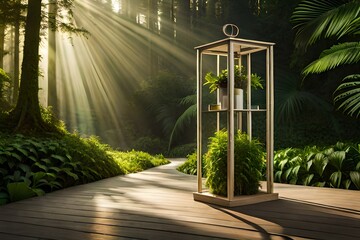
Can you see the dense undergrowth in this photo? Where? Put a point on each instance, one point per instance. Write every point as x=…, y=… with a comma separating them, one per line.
x=335, y=166
x=33, y=166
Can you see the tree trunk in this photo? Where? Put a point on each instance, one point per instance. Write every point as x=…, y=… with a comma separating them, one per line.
x=2, y=41
x=52, y=81
x=27, y=111
x=16, y=61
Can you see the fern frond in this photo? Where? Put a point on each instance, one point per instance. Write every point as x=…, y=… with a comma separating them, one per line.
x=347, y=95
x=315, y=19
x=344, y=53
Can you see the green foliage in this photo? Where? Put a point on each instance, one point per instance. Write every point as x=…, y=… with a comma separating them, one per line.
x=52, y=121
x=347, y=95
x=319, y=19
x=182, y=150
x=323, y=18
x=343, y=53
x=190, y=165
x=249, y=162
x=19, y=191
x=240, y=79
x=151, y=145
x=336, y=166
x=4, y=83
x=31, y=166
x=163, y=102
x=135, y=161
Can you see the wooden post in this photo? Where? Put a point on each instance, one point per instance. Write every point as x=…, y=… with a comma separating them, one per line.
x=199, y=119
x=230, y=120
x=248, y=94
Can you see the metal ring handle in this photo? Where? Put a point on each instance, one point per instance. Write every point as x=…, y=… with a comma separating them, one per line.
x=234, y=30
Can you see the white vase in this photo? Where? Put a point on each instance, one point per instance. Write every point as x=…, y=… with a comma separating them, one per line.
x=238, y=98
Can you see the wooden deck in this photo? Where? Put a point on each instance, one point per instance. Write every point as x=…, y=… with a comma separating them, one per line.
x=158, y=204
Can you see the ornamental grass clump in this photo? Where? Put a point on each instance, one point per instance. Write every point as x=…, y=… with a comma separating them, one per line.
x=249, y=161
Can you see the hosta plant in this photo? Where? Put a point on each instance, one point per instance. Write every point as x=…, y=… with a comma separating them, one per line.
x=336, y=166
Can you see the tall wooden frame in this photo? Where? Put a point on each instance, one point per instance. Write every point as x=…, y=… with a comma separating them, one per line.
x=234, y=49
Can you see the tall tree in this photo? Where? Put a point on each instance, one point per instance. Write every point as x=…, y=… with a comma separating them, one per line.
x=52, y=81
x=27, y=114
x=27, y=110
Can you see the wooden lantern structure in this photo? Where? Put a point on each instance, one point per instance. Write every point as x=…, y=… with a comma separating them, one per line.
x=235, y=50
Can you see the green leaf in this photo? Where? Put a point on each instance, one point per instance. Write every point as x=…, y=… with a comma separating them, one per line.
x=19, y=191
x=319, y=163
x=37, y=177
x=38, y=191
x=343, y=53
x=25, y=168
x=23, y=151
x=282, y=164
x=58, y=157
x=39, y=165
x=15, y=155
x=315, y=19
x=55, y=169
x=308, y=179
x=335, y=179
x=347, y=183
x=355, y=178
x=55, y=184
x=70, y=173
x=336, y=159
x=319, y=184
x=46, y=160
x=32, y=158
x=347, y=95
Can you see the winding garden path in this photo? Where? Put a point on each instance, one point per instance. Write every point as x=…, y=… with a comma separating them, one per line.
x=158, y=204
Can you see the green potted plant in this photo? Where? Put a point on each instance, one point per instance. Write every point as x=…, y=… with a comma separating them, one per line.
x=249, y=162
x=221, y=82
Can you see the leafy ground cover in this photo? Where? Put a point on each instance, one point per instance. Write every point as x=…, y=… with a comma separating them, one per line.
x=335, y=166
x=33, y=166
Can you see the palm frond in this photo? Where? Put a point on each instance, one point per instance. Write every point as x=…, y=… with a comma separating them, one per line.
x=347, y=95
x=291, y=101
x=165, y=114
x=344, y=53
x=185, y=119
x=189, y=100
x=314, y=19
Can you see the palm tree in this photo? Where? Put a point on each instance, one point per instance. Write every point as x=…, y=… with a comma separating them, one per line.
x=319, y=19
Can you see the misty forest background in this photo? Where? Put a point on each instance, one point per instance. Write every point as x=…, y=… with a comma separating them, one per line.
x=136, y=84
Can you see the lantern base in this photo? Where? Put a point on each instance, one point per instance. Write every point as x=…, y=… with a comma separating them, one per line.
x=261, y=196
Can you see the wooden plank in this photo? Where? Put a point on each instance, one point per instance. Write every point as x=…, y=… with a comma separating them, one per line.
x=158, y=204
x=15, y=237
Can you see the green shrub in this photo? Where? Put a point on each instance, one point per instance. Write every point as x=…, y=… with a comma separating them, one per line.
x=249, y=161
x=190, y=165
x=150, y=145
x=182, y=150
x=31, y=166
x=4, y=85
x=135, y=161
x=336, y=166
